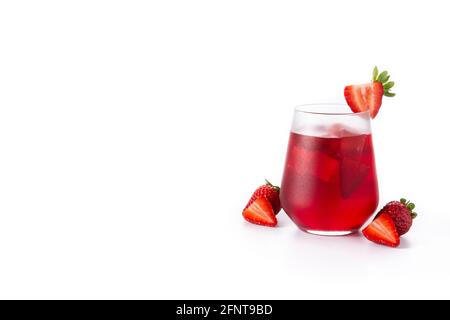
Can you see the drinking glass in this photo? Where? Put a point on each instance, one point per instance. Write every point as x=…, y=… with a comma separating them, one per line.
x=329, y=184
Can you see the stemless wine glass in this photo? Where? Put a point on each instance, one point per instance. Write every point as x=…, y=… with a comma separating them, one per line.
x=329, y=183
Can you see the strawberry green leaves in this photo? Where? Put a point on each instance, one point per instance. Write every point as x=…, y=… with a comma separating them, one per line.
x=375, y=74
x=383, y=78
x=388, y=85
x=410, y=207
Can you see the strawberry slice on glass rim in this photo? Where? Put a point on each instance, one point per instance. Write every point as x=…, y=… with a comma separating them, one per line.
x=369, y=96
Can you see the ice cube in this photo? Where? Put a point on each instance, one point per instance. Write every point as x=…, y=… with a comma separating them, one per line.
x=339, y=130
x=316, y=163
x=352, y=174
x=355, y=147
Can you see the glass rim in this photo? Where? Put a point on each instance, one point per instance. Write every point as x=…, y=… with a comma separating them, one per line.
x=302, y=108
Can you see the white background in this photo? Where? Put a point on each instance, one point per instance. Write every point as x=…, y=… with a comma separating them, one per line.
x=132, y=133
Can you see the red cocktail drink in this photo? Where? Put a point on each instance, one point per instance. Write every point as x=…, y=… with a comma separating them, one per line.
x=329, y=184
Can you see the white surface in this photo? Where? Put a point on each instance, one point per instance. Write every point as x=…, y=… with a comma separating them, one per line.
x=133, y=133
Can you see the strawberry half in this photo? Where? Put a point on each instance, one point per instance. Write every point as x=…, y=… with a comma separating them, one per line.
x=260, y=212
x=382, y=231
x=363, y=97
x=270, y=192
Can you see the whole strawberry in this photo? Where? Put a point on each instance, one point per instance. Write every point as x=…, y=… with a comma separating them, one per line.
x=401, y=213
x=270, y=192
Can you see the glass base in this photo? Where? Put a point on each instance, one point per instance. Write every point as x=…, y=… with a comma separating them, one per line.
x=330, y=233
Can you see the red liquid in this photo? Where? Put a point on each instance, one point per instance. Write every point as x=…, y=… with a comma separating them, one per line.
x=329, y=184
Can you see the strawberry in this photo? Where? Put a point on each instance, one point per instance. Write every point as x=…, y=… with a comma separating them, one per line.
x=271, y=193
x=401, y=213
x=260, y=212
x=382, y=230
x=363, y=97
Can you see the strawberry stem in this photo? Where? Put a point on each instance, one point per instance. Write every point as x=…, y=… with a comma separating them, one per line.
x=270, y=184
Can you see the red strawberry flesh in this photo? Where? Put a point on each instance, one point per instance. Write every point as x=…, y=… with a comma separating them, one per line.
x=365, y=97
x=260, y=212
x=382, y=231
